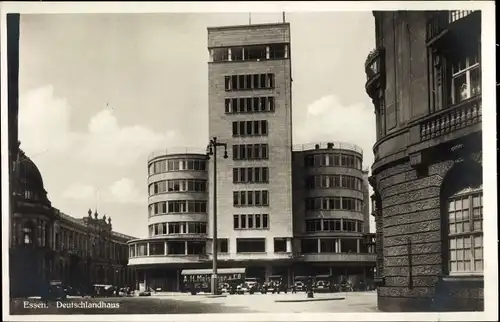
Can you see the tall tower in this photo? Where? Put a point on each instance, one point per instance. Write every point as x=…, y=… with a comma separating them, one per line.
x=250, y=110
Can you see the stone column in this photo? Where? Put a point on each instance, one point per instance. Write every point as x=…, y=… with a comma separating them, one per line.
x=319, y=245
x=165, y=248
x=147, y=249
x=357, y=246
x=289, y=245
x=290, y=275
x=340, y=245
x=337, y=246
x=185, y=247
x=268, y=272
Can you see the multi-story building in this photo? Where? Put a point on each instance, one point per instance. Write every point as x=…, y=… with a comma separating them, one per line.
x=46, y=244
x=178, y=219
x=250, y=110
x=425, y=81
x=329, y=198
x=268, y=204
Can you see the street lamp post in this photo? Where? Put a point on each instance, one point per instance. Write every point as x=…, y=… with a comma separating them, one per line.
x=212, y=150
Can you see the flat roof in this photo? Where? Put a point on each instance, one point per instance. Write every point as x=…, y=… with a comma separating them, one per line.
x=248, y=26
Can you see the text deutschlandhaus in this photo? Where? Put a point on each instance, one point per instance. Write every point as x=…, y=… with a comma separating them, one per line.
x=73, y=305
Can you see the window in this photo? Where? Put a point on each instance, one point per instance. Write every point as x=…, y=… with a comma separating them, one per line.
x=279, y=245
x=249, y=53
x=28, y=233
x=251, y=198
x=256, y=53
x=254, y=245
x=223, y=245
x=309, y=246
x=313, y=225
x=250, y=152
x=250, y=128
x=465, y=232
x=245, y=105
x=178, y=206
x=250, y=221
x=278, y=51
x=465, y=76
x=156, y=248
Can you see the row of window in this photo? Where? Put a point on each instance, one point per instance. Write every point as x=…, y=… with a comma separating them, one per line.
x=318, y=225
x=249, y=81
x=246, y=105
x=250, y=151
x=66, y=240
x=334, y=181
x=334, y=203
x=331, y=245
x=251, y=198
x=178, y=206
x=177, y=228
x=250, y=128
x=249, y=53
x=251, y=221
x=251, y=175
x=177, y=165
x=172, y=248
x=333, y=160
x=178, y=185
x=254, y=245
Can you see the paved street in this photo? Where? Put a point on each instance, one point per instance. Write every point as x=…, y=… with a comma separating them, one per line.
x=188, y=304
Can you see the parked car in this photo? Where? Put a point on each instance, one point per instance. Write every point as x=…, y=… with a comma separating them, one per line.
x=54, y=291
x=299, y=286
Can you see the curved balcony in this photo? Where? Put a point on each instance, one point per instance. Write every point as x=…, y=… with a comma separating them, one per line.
x=375, y=71
x=166, y=259
x=443, y=23
x=165, y=153
x=254, y=256
x=327, y=145
x=339, y=257
x=446, y=125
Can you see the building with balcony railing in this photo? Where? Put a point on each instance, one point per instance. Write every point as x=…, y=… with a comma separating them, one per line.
x=330, y=198
x=177, y=217
x=47, y=244
x=424, y=78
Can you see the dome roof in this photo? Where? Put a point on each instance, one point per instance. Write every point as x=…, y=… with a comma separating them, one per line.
x=28, y=179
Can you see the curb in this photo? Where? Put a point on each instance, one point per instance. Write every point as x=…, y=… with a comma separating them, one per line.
x=310, y=300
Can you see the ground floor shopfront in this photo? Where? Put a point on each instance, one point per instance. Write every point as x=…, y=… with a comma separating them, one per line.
x=168, y=277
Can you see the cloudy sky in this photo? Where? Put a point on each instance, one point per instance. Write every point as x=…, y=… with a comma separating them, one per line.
x=99, y=92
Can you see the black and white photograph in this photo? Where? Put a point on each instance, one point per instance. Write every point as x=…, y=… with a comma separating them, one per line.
x=247, y=161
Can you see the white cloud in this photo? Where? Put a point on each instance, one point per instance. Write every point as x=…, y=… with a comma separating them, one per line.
x=44, y=125
x=328, y=120
x=80, y=192
x=124, y=191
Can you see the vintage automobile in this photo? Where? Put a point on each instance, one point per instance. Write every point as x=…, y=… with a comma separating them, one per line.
x=252, y=285
x=274, y=285
x=54, y=291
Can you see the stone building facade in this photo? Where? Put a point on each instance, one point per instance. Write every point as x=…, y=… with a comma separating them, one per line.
x=46, y=244
x=424, y=78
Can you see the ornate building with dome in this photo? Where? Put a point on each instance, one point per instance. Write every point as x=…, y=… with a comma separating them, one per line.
x=46, y=244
